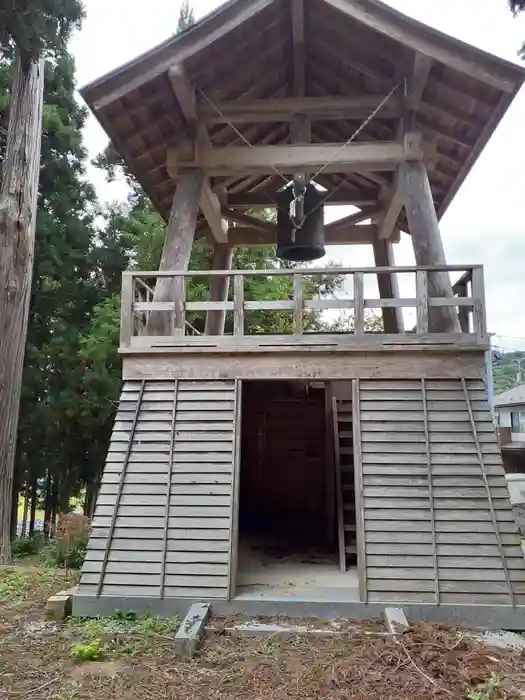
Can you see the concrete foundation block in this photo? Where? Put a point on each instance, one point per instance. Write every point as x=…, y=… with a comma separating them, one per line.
x=395, y=620
x=192, y=629
x=59, y=606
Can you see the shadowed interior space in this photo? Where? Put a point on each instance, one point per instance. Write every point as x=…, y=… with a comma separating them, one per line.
x=288, y=542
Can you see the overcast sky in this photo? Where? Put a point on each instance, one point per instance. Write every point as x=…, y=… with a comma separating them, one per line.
x=485, y=223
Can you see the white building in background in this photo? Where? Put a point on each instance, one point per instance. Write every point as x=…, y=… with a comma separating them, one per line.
x=510, y=412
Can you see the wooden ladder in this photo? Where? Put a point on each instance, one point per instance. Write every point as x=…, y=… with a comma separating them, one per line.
x=345, y=488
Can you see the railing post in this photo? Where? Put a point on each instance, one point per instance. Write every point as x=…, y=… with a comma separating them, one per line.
x=462, y=292
x=422, y=301
x=179, y=315
x=478, y=296
x=126, y=309
x=298, y=304
x=359, y=300
x=238, y=305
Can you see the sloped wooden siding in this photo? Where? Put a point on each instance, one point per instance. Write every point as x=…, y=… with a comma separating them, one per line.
x=436, y=516
x=164, y=513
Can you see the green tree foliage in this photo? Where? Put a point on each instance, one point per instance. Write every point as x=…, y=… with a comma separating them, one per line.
x=39, y=26
x=75, y=268
x=507, y=369
x=517, y=6
x=186, y=16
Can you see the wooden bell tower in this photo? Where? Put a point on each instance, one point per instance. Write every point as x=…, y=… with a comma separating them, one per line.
x=386, y=115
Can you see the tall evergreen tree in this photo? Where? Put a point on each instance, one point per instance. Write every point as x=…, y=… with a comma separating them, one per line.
x=186, y=16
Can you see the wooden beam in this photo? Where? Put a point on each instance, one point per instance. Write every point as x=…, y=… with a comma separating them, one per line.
x=243, y=236
x=426, y=240
x=246, y=220
x=392, y=211
x=283, y=109
x=388, y=286
x=211, y=208
x=353, y=219
x=417, y=36
x=177, y=245
x=299, y=62
x=221, y=260
x=209, y=202
x=185, y=94
x=417, y=81
x=291, y=158
x=415, y=88
x=340, y=197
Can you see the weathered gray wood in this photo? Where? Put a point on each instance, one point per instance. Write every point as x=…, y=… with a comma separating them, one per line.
x=126, y=316
x=338, y=488
x=18, y=208
x=238, y=306
x=426, y=240
x=358, y=490
x=359, y=318
x=178, y=244
x=298, y=304
x=388, y=285
x=422, y=301
x=221, y=260
x=235, y=493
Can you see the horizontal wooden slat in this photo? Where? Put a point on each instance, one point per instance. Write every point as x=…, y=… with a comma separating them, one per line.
x=457, y=526
x=404, y=597
x=219, y=523
x=392, y=561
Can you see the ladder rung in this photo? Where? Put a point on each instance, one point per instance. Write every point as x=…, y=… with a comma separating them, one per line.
x=350, y=528
x=351, y=549
x=346, y=434
x=346, y=451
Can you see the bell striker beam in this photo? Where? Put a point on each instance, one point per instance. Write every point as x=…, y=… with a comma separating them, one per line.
x=178, y=243
x=426, y=240
x=222, y=259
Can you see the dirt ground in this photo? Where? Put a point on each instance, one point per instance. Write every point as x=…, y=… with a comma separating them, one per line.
x=133, y=659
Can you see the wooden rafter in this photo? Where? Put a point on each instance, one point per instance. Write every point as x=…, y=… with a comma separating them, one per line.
x=299, y=62
x=341, y=196
x=394, y=25
x=291, y=158
x=283, y=109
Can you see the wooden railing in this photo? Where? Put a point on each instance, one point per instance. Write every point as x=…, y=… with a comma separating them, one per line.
x=139, y=304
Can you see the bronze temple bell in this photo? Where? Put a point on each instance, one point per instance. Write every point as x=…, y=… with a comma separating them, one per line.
x=300, y=241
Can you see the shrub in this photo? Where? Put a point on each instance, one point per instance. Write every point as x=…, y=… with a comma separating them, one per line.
x=67, y=557
x=27, y=546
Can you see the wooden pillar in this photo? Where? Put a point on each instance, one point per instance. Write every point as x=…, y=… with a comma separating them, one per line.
x=177, y=245
x=388, y=287
x=426, y=239
x=221, y=260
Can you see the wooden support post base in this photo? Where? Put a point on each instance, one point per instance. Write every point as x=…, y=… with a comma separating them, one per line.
x=388, y=287
x=426, y=239
x=177, y=246
x=222, y=260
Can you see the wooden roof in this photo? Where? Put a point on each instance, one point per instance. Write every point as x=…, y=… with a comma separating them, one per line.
x=352, y=48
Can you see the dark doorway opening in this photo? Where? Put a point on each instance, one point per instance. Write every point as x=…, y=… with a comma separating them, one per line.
x=287, y=502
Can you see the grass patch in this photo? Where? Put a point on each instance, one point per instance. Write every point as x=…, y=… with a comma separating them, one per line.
x=20, y=584
x=123, y=634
